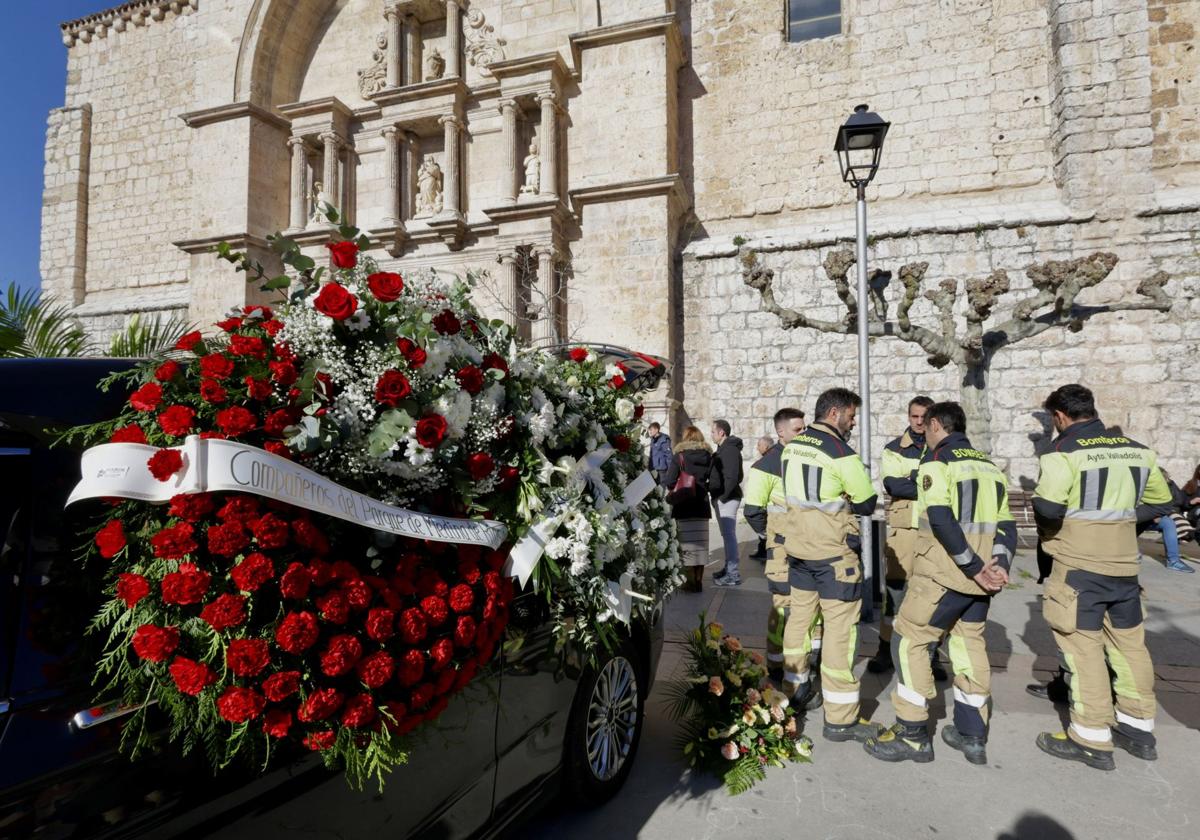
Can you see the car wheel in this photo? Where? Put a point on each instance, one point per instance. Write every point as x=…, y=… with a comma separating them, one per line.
x=605, y=727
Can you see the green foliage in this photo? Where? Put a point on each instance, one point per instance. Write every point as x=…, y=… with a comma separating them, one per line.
x=32, y=326
x=144, y=337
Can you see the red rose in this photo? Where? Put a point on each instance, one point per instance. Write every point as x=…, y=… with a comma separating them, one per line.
x=216, y=366
x=343, y=254
x=258, y=389
x=413, y=626
x=441, y=653
x=494, y=361
x=111, y=538
x=385, y=285
x=230, y=324
x=621, y=443
x=128, y=434
x=147, y=397
x=247, y=657
x=252, y=572
x=174, y=542
x=578, y=354
x=284, y=373
x=247, y=345
x=380, y=624
x=167, y=371
x=508, y=477
x=191, y=677
x=224, y=611
x=240, y=509
x=227, y=539
x=281, y=685
x=191, y=506
x=480, y=465
x=414, y=355
x=294, y=582
x=471, y=379
x=412, y=668
x=341, y=654
x=421, y=695
x=132, y=588
x=155, y=644
x=446, y=323
x=464, y=631
x=272, y=327
x=188, y=341
x=165, y=463
x=376, y=669
x=359, y=711
x=238, y=705
x=320, y=704
x=212, y=392
x=392, y=387
x=270, y=531
x=308, y=536
x=616, y=382
x=435, y=610
x=431, y=430
x=277, y=722
x=322, y=740
x=333, y=300
x=236, y=421
x=297, y=632
x=462, y=598
x=638, y=411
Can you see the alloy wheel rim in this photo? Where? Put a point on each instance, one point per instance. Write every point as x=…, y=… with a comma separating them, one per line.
x=612, y=718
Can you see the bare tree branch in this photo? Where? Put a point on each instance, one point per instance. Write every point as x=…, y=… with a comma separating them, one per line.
x=759, y=277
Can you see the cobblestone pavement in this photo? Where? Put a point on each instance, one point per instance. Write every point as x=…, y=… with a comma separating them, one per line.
x=846, y=794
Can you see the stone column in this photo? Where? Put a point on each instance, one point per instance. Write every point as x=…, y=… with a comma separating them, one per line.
x=391, y=151
x=412, y=163
x=333, y=144
x=510, y=289
x=545, y=329
x=452, y=187
x=509, y=176
x=412, y=49
x=395, y=44
x=548, y=143
x=299, y=184
x=453, y=39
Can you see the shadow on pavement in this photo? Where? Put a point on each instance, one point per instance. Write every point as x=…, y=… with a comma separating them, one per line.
x=1037, y=827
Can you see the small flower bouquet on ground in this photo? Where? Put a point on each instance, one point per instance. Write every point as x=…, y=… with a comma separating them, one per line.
x=735, y=723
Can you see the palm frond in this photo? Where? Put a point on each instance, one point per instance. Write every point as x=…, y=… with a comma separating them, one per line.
x=32, y=326
x=148, y=337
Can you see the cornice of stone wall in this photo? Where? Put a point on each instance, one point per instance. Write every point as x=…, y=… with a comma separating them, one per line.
x=118, y=19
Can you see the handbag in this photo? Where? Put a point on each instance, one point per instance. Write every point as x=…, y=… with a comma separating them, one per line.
x=684, y=487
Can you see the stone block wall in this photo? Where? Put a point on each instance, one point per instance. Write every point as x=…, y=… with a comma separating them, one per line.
x=1175, y=90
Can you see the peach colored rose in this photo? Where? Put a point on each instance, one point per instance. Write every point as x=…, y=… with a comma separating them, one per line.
x=715, y=686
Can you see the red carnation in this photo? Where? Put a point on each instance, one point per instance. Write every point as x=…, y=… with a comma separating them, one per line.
x=277, y=421
x=446, y=323
x=376, y=669
x=191, y=506
x=431, y=430
x=230, y=324
x=155, y=644
x=258, y=389
x=111, y=538
x=132, y=588
x=464, y=631
x=445, y=680
x=334, y=607
x=462, y=598
x=343, y=254
x=128, y=434
x=359, y=711
x=238, y=705
x=392, y=387
x=411, y=668
x=247, y=345
x=212, y=392
x=380, y=624
x=247, y=657
x=621, y=443
x=270, y=531
x=165, y=463
x=281, y=685
x=494, y=361
x=421, y=695
x=435, y=609
x=277, y=722
x=272, y=327
x=322, y=740
x=320, y=704
x=188, y=341
x=358, y=593
x=297, y=632
x=294, y=582
x=441, y=653
x=308, y=536
x=186, y=586
x=167, y=371
x=471, y=379
x=413, y=626
x=480, y=465
x=216, y=366
x=333, y=300
x=252, y=572
x=284, y=373
x=341, y=654
x=578, y=354
x=385, y=285
x=236, y=421
x=191, y=677
x=174, y=542
x=146, y=398
x=240, y=509
x=224, y=611
x=468, y=570
x=227, y=539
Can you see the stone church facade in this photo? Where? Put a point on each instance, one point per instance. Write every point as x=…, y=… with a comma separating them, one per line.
x=605, y=161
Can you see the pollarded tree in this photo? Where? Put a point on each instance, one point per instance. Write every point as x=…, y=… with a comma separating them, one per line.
x=1051, y=303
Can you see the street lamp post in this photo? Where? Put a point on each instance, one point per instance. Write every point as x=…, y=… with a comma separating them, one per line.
x=859, y=146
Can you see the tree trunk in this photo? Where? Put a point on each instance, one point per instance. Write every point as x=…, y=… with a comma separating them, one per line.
x=974, y=396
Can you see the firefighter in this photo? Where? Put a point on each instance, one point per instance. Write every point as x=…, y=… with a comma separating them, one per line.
x=901, y=457
x=965, y=544
x=826, y=487
x=1095, y=485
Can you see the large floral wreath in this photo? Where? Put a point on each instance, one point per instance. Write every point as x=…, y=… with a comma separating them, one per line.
x=251, y=621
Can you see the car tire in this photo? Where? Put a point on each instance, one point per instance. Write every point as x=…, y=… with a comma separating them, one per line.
x=605, y=727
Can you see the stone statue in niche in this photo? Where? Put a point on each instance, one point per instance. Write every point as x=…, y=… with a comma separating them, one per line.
x=429, y=189
x=317, y=199
x=533, y=171
x=435, y=65
x=373, y=79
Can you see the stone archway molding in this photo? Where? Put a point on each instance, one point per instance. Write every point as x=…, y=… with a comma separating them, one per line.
x=266, y=73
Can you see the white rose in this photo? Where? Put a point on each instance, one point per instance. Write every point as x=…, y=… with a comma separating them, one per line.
x=625, y=409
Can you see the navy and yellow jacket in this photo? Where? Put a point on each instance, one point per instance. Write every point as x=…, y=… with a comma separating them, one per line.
x=1095, y=486
x=763, y=493
x=901, y=458
x=826, y=486
x=963, y=515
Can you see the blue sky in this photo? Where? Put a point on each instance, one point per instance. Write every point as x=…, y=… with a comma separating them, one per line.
x=33, y=66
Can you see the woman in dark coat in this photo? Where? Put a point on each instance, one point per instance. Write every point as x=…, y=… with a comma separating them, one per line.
x=691, y=511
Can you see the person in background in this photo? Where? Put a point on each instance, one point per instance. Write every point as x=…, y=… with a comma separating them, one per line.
x=1173, y=527
x=689, y=506
x=725, y=487
x=660, y=452
x=762, y=447
x=1191, y=500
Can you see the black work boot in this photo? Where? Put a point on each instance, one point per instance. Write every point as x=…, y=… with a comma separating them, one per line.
x=935, y=665
x=862, y=731
x=1139, y=747
x=903, y=742
x=972, y=746
x=810, y=698
x=881, y=662
x=1056, y=691
x=1059, y=745
x=760, y=553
